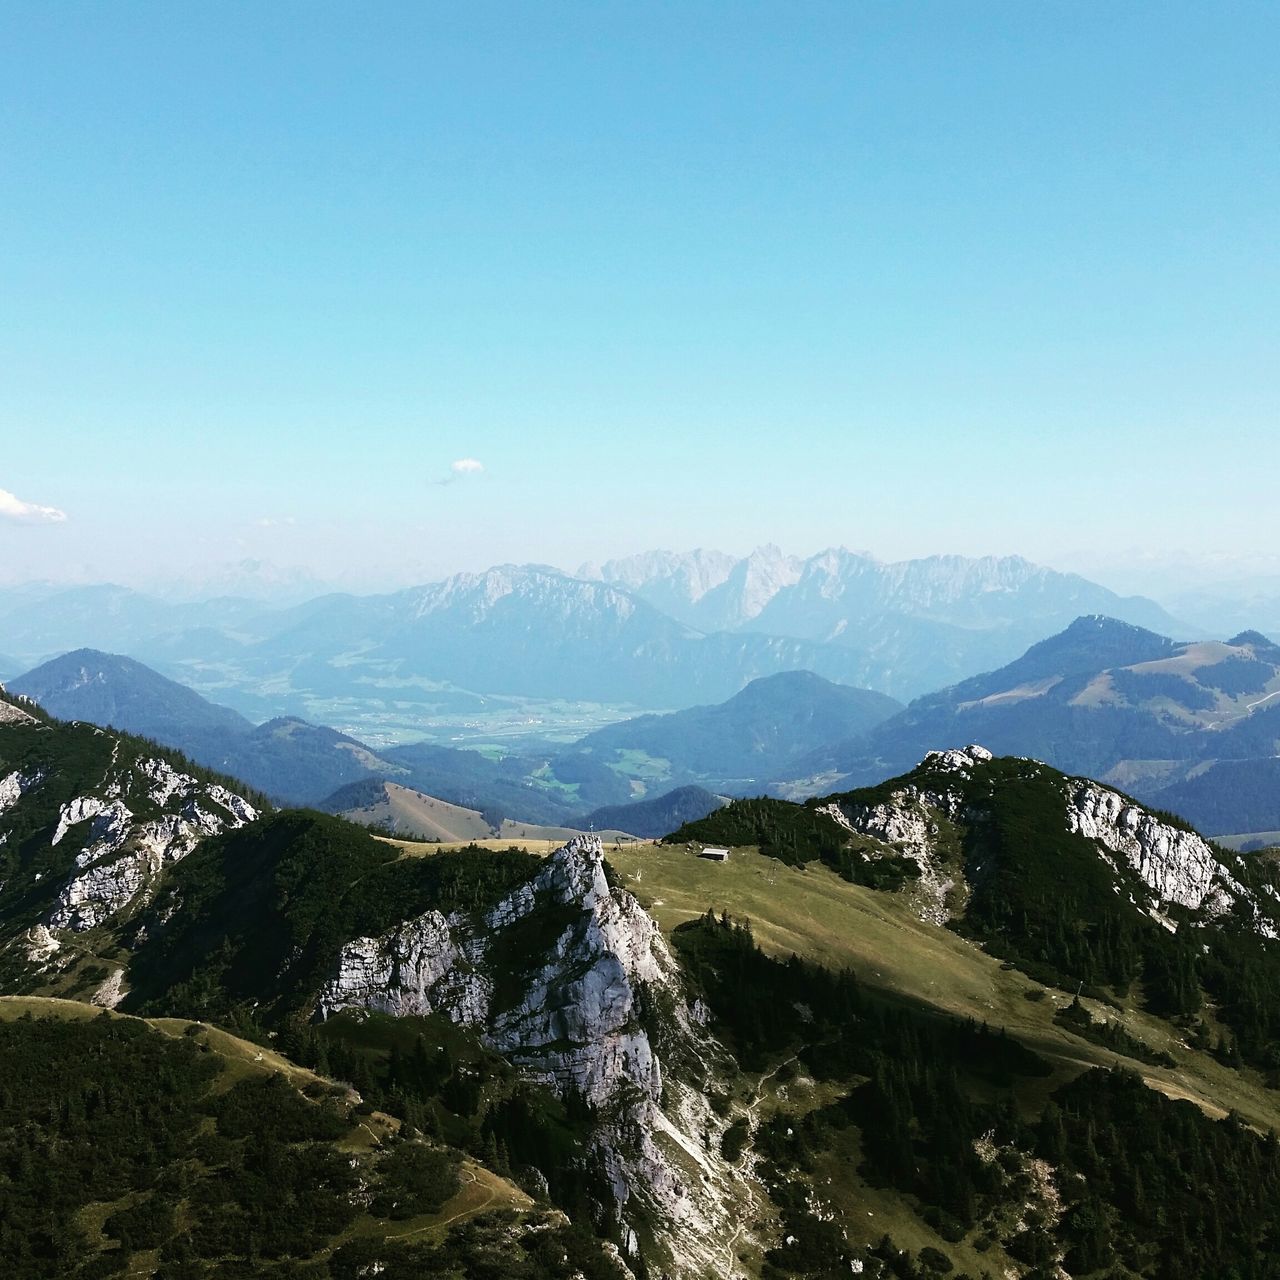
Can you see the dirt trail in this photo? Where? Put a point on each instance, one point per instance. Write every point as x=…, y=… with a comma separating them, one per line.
x=731, y=1259
x=469, y=1179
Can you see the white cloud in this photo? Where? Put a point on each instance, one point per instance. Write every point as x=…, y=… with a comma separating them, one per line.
x=14, y=508
x=275, y=522
x=460, y=469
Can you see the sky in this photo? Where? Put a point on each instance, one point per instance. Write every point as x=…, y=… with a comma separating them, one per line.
x=385, y=291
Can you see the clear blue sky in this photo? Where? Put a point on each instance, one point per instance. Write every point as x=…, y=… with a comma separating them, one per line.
x=908, y=277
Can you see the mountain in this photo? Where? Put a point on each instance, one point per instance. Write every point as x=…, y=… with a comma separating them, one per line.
x=530, y=630
x=919, y=623
x=286, y=758
x=984, y=1017
x=91, y=820
x=1102, y=698
x=655, y=816
x=402, y=811
x=110, y=689
x=757, y=734
x=296, y=762
x=837, y=591
x=654, y=632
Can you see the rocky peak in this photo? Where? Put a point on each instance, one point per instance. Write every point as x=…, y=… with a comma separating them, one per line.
x=958, y=761
x=124, y=850
x=570, y=979
x=916, y=817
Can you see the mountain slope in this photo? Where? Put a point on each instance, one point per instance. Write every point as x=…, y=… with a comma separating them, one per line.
x=112, y=690
x=91, y=822
x=1070, y=879
x=168, y=1139
x=756, y=734
x=655, y=816
x=891, y=1047
x=1102, y=698
x=402, y=811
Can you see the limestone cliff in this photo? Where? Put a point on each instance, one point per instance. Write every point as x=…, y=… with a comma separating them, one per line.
x=570, y=979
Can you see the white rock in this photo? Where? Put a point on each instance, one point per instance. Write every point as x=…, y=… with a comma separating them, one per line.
x=576, y=1024
x=1178, y=865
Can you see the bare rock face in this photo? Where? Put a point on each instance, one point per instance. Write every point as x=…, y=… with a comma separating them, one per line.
x=1178, y=865
x=123, y=854
x=570, y=979
x=13, y=714
x=909, y=824
x=416, y=969
x=15, y=785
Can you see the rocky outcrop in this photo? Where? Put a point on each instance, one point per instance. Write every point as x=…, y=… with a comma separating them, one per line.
x=1179, y=866
x=15, y=785
x=908, y=823
x=10, y=713
x=570, y=979
x=122, y=853
x=418, y=968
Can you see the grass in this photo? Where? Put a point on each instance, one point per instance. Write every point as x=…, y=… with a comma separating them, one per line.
x=817, y=915
x=481, y=1191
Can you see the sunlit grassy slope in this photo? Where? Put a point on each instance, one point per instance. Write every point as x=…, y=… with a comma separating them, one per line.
x=812, y=912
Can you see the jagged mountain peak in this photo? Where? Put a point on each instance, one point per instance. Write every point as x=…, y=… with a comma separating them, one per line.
x=565, y=976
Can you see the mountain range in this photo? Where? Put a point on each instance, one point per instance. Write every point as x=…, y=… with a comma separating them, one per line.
x=980, y=1019
x=1189, y=727
x=753, y=736
x=920, y=623
x=658, y=631
x=756, y=734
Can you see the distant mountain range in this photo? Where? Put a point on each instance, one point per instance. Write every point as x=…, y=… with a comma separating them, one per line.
x=1111, y=701
x=1189, y=727
x=657, y=631
x=920, y=623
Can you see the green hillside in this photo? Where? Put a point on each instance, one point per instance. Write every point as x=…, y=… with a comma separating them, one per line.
x=170, y=1149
